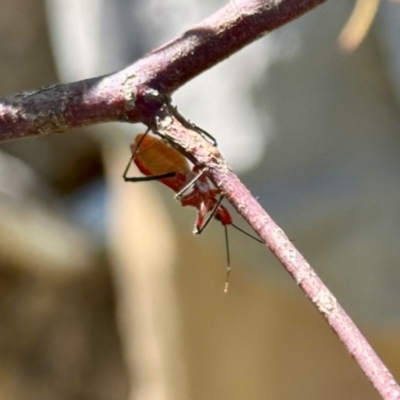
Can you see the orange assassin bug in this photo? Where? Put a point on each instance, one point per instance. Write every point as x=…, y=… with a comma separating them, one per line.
x=156, y=160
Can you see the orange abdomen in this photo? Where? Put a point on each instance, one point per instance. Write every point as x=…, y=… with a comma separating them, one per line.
x=154, y=157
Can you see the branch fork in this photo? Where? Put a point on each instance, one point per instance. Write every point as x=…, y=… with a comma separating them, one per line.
x=140, y=93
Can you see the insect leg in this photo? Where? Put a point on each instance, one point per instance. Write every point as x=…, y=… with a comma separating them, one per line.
x=206, y=135
x=148, y=178
x=198, y=230
x=143, y=178
x=190, y=184
x=193, y=126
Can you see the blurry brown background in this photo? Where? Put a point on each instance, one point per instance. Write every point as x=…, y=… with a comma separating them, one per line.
x=104, y=292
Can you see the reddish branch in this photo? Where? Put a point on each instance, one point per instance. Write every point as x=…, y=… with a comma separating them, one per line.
x=169, y=124
x=114, y=97
x=140, y=93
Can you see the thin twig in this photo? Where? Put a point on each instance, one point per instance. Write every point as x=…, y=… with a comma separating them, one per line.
x=203, y=153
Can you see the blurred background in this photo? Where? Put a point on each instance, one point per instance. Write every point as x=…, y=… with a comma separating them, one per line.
x=104, y=291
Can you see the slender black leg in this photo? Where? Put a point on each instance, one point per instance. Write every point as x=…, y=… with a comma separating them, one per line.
x=148, y=178
x=190, y=184
x=143, y=178
x=192, y=126
x=197, y=230
x=206, y=135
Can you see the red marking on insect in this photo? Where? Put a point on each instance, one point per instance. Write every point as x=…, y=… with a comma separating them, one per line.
x=158, y=161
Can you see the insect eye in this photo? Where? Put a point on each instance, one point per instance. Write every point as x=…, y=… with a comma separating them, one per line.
x=217, y=217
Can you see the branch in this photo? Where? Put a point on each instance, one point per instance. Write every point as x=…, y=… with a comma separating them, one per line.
x=140, y=93
x=169, y=124
x=121, y=96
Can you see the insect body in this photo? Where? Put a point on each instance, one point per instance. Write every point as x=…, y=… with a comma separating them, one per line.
x=158, y=161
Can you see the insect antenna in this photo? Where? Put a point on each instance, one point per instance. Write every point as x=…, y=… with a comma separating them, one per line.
x=247, y=233
x=228, y=260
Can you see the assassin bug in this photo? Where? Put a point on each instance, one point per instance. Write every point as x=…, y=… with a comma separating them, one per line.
x=156, y=160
